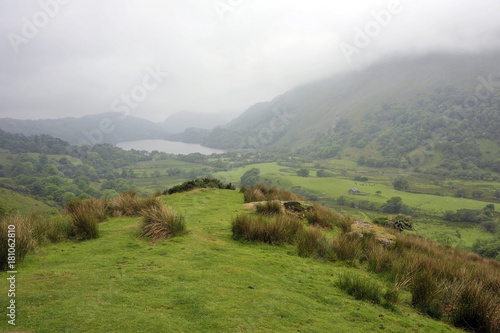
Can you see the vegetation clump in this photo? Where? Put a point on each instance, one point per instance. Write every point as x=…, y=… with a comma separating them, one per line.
x=129, y=203
x=282, y=229
x=261, y=192
x=161, y=223
x=269, y=208
x=31, y=231
x=199, y=183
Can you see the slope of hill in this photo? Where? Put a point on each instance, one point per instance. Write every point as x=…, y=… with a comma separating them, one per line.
x=305, y=114
x=182, y=120
x=201, y=282
x=16, y=202
x=92, y=129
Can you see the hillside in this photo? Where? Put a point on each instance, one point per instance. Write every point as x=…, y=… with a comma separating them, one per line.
x=182, y=120
x=200, y=282
x=420, y=101
x=88, y=130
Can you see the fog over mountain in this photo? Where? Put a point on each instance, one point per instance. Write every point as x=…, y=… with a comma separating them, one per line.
x=151, y=59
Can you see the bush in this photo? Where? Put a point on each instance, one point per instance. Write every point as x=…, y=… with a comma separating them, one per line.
x=282, y=230
x=401, y=222
x=359, y=287
x=159, y=222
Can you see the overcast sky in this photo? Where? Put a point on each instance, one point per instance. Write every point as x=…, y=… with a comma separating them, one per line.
x=154, y=58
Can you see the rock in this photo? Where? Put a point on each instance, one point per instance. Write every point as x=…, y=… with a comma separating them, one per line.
x=296, y=206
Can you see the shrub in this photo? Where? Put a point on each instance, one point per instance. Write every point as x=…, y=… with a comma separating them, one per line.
x=400, y=222
x=359, y=287
x=269, y=208
x=160, y=223
x=283, y=229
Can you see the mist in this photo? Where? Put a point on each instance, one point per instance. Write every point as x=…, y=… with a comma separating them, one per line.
x=151, y=59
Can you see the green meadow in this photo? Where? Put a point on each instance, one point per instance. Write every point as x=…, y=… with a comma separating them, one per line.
x=203, y=281
x=332, y=187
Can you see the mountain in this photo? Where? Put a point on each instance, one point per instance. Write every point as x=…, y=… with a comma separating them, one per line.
x=182, y=120
x=298, y=117
x=108, y=127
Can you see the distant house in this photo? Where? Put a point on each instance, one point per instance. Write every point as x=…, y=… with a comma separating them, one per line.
x=354, y=191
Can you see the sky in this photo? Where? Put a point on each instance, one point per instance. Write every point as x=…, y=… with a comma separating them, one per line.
x=150, y=59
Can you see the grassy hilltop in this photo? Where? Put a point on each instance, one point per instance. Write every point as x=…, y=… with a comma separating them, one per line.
x=203, y=281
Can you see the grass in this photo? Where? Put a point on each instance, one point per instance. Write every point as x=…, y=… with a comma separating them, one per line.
x=360, y=287
x=333, y=187
x=161, y=222
x=21, y=203
x=269, y=208
x=195, y=283
x=31, y=231
x=280, y=230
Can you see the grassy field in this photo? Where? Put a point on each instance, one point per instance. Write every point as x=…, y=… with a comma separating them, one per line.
x=201, y=282
x=336, y=186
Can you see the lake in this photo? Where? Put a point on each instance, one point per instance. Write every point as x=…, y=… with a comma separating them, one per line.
x=170, y=147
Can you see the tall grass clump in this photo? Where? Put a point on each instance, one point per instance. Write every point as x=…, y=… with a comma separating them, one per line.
x=269, y=208
x=25, y=239
x=31, y=232
x=283, y=229
x=312, y=243
x=325, y=218
x=159, y=222
x=85, y=222
x=96, y=207
x=129, y=203
x=261, y=192
x=359, y=287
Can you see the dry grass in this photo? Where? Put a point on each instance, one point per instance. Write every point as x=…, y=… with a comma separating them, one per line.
x=325, y=218
x=261, y=192
x=283, y=229
x=161, y=223
x=130, y=204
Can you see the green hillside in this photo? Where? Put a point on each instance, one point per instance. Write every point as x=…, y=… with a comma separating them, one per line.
x=13, y=201
x=200, y=282
x=440, y=111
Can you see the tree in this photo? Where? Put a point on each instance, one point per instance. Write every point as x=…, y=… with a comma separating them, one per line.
x=400, y=183
x=250, y=178
x=496, y=194
x=395, y=205
x=303, y=172
x=477, y=194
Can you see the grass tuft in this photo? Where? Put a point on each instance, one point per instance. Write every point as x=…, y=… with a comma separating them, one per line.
x=283, y=229
x=161, y=223
x=359, y=287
